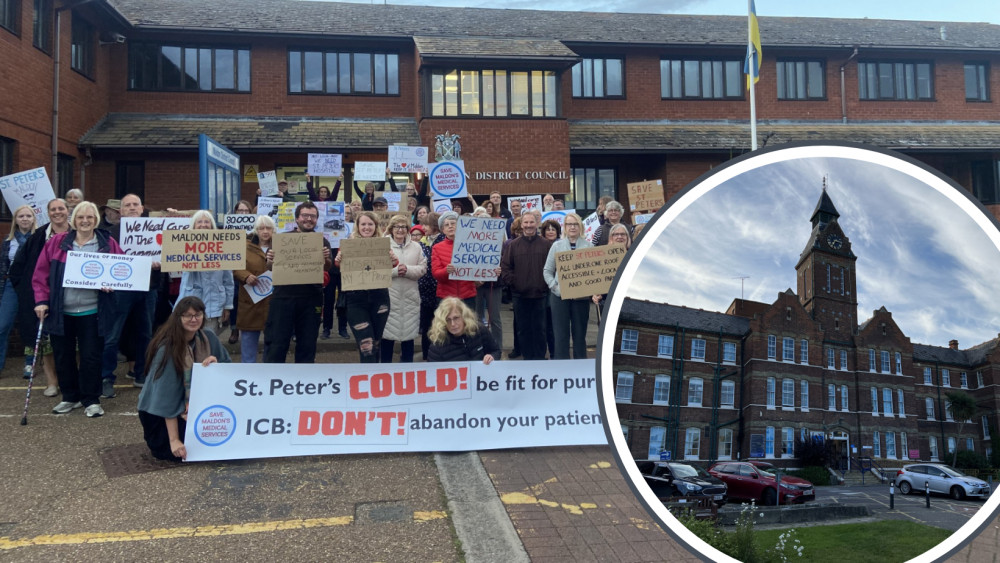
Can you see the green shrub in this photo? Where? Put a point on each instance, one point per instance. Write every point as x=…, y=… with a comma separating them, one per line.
x=816, y=475
x=814, y=452
x=971, y=460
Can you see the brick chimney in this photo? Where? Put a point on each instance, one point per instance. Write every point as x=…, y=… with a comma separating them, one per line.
x=953, y=344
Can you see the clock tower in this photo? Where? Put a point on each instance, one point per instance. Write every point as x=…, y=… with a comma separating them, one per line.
x=827, y=284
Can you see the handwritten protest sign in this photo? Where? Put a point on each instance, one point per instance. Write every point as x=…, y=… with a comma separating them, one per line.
x=590, y=224
x=268, y=206
x=528, y=202
x=476, y=254
x=268, y=183
x=645, y=196
x=369, y=171
x=241, y=411
x=557, y=215
x=326, y=164
x=263, y=289
x=298, y=258
x=447, y=180
x=92, y=270
x=242, y=221
x=192, y=250
x=365, y=263
x=143, y=236
x=31, y=188
x=407, y=159
x=588, y=271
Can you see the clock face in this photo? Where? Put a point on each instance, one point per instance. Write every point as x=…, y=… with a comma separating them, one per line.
x=835, y=242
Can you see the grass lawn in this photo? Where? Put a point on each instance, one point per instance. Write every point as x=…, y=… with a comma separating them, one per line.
x=885, y=541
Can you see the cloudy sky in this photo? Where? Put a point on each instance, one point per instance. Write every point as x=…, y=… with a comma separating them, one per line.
x=936, y=10
x=919, y=255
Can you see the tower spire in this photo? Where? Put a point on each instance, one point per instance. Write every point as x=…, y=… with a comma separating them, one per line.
x=825, y=211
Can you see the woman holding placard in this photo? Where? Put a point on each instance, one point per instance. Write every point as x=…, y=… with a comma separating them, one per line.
x=403, y=324
x=214, y=287
x=23, y=227
x=242, y=208
x=569, y=316
x=617, y=234
x=253, y=316
x=76, y=318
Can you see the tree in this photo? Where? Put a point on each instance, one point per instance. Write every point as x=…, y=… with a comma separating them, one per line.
x=963, y=408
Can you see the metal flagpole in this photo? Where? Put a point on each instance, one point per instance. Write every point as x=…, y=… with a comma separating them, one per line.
x=751, y=77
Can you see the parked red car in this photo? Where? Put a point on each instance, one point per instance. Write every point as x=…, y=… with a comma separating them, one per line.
x=749, y=482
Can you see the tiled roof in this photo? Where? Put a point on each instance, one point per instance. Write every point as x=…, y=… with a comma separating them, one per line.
x=128, y=130
x=661, y=314
x=604, y=135
x=491, y=47
x=971, y=357
x=297, y=17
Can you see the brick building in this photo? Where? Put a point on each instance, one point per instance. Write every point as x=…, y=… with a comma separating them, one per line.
x=748, y=382
x=111, y=95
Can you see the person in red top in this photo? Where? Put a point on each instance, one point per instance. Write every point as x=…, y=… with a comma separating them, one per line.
x=441, y=266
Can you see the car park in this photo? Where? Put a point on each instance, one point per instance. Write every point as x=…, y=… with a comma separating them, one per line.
x=941, y=479
x=677, y=479
x=747, y=481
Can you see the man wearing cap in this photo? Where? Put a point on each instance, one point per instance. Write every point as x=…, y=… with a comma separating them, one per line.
x=283, y=191
x=380, y=204
x=112, y=216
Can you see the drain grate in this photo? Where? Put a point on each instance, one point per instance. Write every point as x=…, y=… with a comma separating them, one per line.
x=132, y=459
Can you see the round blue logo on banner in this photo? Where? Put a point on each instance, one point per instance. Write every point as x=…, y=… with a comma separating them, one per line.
x=92, y=269
x=447, y=180
x=215, y=425
x=121, y=271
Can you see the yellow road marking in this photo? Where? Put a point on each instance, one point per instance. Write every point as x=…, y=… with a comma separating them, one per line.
x=522, y=498
x=600, y=465
x=196, y=531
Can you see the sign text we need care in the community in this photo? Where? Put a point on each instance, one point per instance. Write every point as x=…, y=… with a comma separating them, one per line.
x=240, y=411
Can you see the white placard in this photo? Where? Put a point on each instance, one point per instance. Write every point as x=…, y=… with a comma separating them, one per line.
x=240, y=411
x=441, y=205
x=447, y=180
x=557, y=215
x=31, y=188
x=326, y=164
x=642, y=219
x=407, y=159
x=476, y=253
x=143, y=236
x=528, y=202
x=268, y=206
x=95, y=270
x=263, y=289
x=392, y=200
x=240, y=221
x=268, y=183
x=590, y=224
x=332, y=223
x=369, y=171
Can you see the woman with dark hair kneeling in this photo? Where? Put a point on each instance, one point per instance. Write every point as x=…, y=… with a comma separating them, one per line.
x=457, y=335
x=177, y=345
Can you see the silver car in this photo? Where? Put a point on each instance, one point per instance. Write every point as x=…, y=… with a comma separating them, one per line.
x=940, y=478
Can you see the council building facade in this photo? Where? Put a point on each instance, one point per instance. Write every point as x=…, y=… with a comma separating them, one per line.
x=111, y=95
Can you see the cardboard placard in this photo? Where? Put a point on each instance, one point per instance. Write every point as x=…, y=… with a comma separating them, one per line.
x=143, y=236
x=298, y=258
x=476, y=254
x=407, y=160
x=193, y=250
x=645, y=196
x=92, y=270
x=365, y=263
x=369, y=171
x=588, y=271
x=447, y=180
x=268, y=183
x=397, y=201
x=31, y=188
x=242, y=221
x=325, y=165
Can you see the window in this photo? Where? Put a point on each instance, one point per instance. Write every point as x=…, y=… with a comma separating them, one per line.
x=788, y=393
x=661, y=390
x=979, y=376
x=598, y=78
x=830, y=355
x=630, y=341
x=874, y=401
x=65, y=172
x=656, y=437
x=695, y=388
x=886, y=367
x=831, y=391
x=729, y=352
x=6, y=168
x=623, y=389
x=876, y=445
x=899, y=364
x=804, y=351
x=772, y=345
x=692, y=443
x=828, y=286
x=945, y=378
x=697, y=349
x=339, y=72
x=10, y=16
x=624, y=431
x=890, y=445
x=188, y=68
x=952, y=444
x=130, y=178
x=986, y=427
x=788, y=349
x=787, y=442
x=904, y=452
x=934, y=448
x=587, y=185
x=887, y=402
x=725, y=444
x=804, y=399
x=703, y=79
x=969, y=445
x=929, y=405
x=41, y=24
x=493, y=93
x=871, y=360
x=665, y=349
x=769, y=441
x=894, y=81
x=727, y=394
x=977, y=84
x=843, y=360
x=986, y=180
x=770, y=392
x=800, y=80
x=927, y=376
x=843, y=398
x=947, y=411
x=82, y=46
x=899, y=402
x=963, y=380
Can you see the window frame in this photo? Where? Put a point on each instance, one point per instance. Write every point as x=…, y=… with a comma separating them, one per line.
x=831, y=397
x=874, y=401
x=982, y=86
x=691, y=394
x=729, y=352
x=542, y=76
x=660, y=346
x=770, y=393
x=831, y=358
x=804, y=395
x=901, y=403
x=725, y=439
x=781, y=79
x=619, y=387
x=631, y=336
x=887, y=400
x=864, y=66
x=843, y=360
x=899, y=363
x=83, y=46
x=351, y=56
x=659, y=445
x=10, y=16
x=581, y=74
x=787, y=442
x=666, y=78
x=593, y=184
x=772, y=347
x=929, y=408
x=42, y=25
x=727, y=394
x=844, y=399
x=188, y=85
x=803, y=351
x=788, y=393
x=698, y=349
x=945, y=378
x=876, y=444
x=658, y=389
x=884, y=357
x=788, y=349
x=928, y=376
x=769, y=442
x=692, y=445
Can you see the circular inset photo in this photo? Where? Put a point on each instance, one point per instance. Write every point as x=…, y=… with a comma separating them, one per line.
x=800, y=360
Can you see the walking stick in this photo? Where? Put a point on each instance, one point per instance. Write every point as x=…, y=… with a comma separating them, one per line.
x=31, y=378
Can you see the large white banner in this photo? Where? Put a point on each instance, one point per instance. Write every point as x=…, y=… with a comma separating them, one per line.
x=476, y=254
x=31, y=188
x=94, y=270
x=240, y=411
x=407, y=159
x=143, y=236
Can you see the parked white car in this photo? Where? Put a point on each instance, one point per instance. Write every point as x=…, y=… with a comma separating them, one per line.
x=941, y=479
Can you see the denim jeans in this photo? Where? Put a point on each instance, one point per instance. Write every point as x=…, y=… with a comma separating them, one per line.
x=8, y=316
x=249, y=343
x=488, y=298
x=143, y=303
x=367, y=313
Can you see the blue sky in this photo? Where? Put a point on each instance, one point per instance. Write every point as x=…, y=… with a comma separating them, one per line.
x=973, y=11
x=919, y=254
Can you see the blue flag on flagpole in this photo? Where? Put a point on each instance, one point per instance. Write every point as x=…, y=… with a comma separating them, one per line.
x=751, y=66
